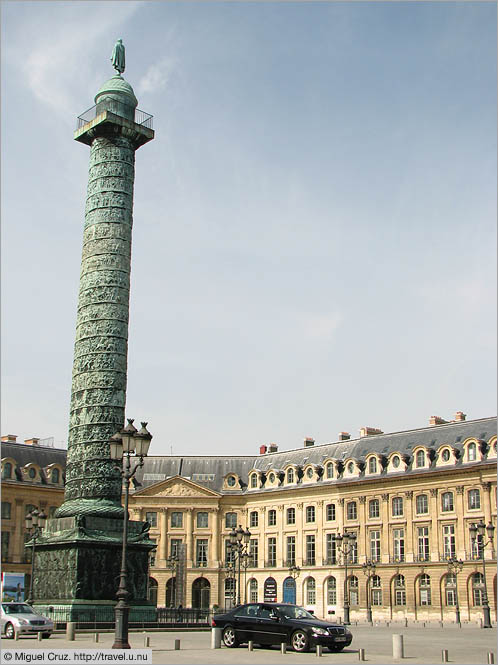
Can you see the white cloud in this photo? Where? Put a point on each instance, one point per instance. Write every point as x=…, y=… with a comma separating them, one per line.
x=322, y=326
x=156, y=77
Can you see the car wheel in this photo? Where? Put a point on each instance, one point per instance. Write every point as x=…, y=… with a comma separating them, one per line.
x=46, y=635
x=300, y=641
x=230, y=638
x=10, y=632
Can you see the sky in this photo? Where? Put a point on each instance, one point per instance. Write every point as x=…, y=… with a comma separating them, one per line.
x=314, y=241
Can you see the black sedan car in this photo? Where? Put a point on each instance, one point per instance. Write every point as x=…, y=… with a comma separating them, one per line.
x=274, y=623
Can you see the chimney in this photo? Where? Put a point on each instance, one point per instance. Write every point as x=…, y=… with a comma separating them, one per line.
x=9, y=438
x=308, y=441
x=272, y=448
x=460, y=416
x=262, y=449
x=436, y=420
x=31, y=442
x=369, y=431
x=344, y=436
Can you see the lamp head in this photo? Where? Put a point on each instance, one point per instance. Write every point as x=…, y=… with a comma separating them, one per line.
x=116, y=446
x=42, y=518
x=233, y=536
x=128, y=436
x=247, y=536
x=490, y=529
x=142, y=440
x=240, y=533
x=481, y=528
x=473, y=531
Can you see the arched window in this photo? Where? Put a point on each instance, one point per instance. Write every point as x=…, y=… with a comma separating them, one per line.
x=201, y=593
x=474, y=499
x=472, y=452
x=422, y=504
x=331, y=591
x=353, y=590
x=152, y=591
x=450, y=589
x=253, y=518
x=7, y=471
x=171, y=599
x=290, y=476
x=32, y=472
x=477, y=589
x=253, y=591
x=372, y=465
x=447, y=502
x=55, y=475
x=445, y=455
x=399, y=590
x=424, y=585
x=310, y=591
x=373, y=508
x=351, y=467
x=420, y=458
x=396, y=461
x=376, y=590
x=254, y=480
x=329, y=470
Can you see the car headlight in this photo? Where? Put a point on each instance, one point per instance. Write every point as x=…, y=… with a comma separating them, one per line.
x=320, y=631
x=23, y=622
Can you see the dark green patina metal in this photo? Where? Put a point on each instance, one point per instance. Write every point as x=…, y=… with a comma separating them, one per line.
x=78, y=557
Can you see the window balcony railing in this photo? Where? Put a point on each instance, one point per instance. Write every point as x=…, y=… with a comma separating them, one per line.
x=421, y=558
x=118, y=108
x=289, y=563
x=272, y=563
x=200, y=564
x=253, y=563
x=447, y=556
x=310, y=561
x=397, y=558
x=330, y=561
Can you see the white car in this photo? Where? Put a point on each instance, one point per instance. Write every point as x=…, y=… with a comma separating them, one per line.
x=22, y=619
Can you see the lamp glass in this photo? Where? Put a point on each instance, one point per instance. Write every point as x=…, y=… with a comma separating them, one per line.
x=42, y=518
x=233, y=537
x=142, y=445
x=116, y=449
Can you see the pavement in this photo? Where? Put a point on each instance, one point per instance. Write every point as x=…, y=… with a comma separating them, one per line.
x=422, y=645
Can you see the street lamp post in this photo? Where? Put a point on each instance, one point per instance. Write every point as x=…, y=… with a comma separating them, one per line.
x=238, y=546
x=369, y=571
x=454, y=567
x=347, y=543
x=294, y=571
x=172, y=563
x=126, y=444
x=35, y=521
x=480, y=529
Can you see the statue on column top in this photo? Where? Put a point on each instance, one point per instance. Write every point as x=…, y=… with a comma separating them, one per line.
x=118, y=57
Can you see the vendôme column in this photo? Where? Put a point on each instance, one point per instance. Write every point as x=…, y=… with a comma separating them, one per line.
x=79, y=555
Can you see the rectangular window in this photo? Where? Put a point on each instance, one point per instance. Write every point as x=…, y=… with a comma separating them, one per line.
x=202, y=520
x=310, y=550
x=330, y=549
x=272, y=518
x=373, y=509
x=176, y=520
x=229, y=555
x=474, y=499
x=449, y=541
x=377, y=597
x=399, y=545
x=201, y=552
x=175, y=546
x=330, y=512
x=451, y=597
x=253, y=552
x=351, y=511
x=423, y=543
x=422, y=504
x=5, y=545
x=425, y=596
x=331, y=591
x=291, y=515
x=272, y=551
x=6, y=508
x=253, y=519
x=291, y=550
x=375, y=545
x=447, y=502
x=400, y=597
x=151, y=518
x=353, y=557
x=310, y=513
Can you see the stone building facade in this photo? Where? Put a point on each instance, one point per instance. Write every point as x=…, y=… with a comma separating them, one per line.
x=409, y=497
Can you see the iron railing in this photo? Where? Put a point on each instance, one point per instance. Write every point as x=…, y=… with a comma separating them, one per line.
x=118, y=108
x=103, y=617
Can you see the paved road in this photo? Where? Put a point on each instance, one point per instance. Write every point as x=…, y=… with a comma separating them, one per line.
x=468, y=645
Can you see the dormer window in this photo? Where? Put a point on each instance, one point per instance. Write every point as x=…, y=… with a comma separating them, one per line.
x=309, y=472
x=445, y=455
x=254, y=480
x=396, y=461
x=329, y=470
x=7, y=471
x=231, y=481
x=471, y=452
x=420, y=458
x=32, y=473
x=372, y=465
x=290, y=476
x=351, y=467
x=271, y=477
x=55, y=476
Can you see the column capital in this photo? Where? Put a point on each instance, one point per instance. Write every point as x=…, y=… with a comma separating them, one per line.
x=433, y=491
x=385, y=496
x=363, y=499
x=486, y=485
x=460, y=489
x=409, y=494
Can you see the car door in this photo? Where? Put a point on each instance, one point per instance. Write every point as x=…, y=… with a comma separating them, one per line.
x=270, y=628
x=245, y=621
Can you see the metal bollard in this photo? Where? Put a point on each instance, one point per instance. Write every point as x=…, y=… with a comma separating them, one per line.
x=398, y=647
x=70, y=631
x=96, y=637
x=319, y=649
x=444, y=656
x=249, y=645
x=441, y=625
x=146, y=641
x=406, y=623
x=283, y=647
x=16, y=635
x=491, y=658
x=215, y=638
x=177, y=645
x=361, y=654
x=39, y=637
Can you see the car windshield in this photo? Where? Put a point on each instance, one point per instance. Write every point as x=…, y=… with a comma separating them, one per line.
x=295, y=612
x=17, y=608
